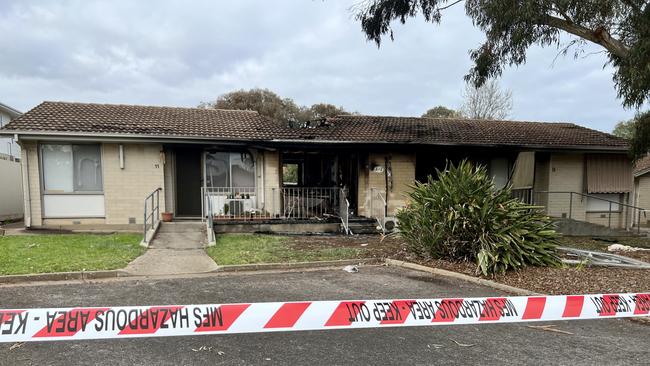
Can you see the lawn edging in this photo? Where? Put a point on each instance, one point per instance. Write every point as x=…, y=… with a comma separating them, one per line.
x=294, y=265
x=461, y=276
x=62, y=276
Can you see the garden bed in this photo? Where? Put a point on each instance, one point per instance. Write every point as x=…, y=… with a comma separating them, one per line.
x=567, y=280
x=250, y=248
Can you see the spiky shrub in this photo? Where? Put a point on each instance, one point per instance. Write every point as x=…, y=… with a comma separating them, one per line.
x=462, y=217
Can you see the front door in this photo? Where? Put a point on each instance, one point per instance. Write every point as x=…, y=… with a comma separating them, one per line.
x=188, y=182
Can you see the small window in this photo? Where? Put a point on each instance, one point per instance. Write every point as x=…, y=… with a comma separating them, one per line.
x=290, y=173
x=71, y=168
x=601, y=202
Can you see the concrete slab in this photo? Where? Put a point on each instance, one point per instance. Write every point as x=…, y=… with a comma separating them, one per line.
x=178, y=248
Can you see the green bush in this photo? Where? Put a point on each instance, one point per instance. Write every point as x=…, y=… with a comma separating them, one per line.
x=463, y=217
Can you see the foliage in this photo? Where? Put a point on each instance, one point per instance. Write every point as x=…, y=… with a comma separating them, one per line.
x=441, y=112
x=264, y=101
x=486, y=102
x=43, y=253
x=259, y=248
x=290, y=173
x=269, y=104
x=640, y=145
x=624, y=129
x=620, y=27
x=462, y=217
x=322, y=110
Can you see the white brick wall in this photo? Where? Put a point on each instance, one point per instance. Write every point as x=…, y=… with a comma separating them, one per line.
x=125, y=189
x=403, y=169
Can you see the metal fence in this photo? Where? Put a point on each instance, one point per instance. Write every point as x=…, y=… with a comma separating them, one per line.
x=310, y=202
x=573, y=205
x=227, y=203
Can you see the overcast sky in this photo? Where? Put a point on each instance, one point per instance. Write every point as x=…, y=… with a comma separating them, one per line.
x=179, y=53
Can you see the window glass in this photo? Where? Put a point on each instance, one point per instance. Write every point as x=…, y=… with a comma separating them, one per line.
x=243, y=170
x=290, y=174
x=499, y=172
x=57, y=168
x=595, y=204
x=217, y=169
x=87, y=168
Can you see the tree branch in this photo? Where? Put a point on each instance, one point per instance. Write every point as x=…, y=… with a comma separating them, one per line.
x=599, y=36
x=450, y=5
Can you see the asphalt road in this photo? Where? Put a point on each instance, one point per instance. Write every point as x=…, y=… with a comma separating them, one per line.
x=591, y=342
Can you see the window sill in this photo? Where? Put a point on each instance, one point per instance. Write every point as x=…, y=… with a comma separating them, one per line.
x=73, y=193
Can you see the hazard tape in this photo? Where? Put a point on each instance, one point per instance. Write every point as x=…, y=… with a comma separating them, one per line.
x=177, y=320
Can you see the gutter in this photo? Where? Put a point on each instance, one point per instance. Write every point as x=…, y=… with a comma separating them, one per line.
x=411, y=143
x=85, y=136
x=641, y=172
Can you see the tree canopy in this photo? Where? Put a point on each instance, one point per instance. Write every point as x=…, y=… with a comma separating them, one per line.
x=486, y=102
x=441, y=112
x=625, y=129
x=269, y=104
x=640, y=145
x=620, y=27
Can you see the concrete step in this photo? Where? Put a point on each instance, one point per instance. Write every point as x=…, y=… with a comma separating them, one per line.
x=181, y=227
x=363, y=225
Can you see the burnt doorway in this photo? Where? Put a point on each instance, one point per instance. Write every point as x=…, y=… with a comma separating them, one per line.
x=188, y=183
x=349, y=177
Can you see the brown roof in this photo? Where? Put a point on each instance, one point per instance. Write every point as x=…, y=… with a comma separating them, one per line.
x=147, y=121
x=461, y=131
x=84, y=118
x=642, y=166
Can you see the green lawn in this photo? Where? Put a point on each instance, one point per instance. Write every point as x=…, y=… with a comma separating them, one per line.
x=257, y=248
x=46, y=253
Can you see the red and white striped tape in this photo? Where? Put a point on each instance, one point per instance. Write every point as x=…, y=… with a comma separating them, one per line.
x=163, y=321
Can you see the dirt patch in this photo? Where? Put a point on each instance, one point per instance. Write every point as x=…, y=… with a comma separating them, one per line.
x=370, y=246
x=552, y=281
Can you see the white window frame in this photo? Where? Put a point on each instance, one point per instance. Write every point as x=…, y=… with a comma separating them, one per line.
x=44, y=191
x=205, y=170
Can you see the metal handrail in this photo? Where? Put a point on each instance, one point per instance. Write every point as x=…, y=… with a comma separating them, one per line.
x=381, y=216
x=154, y=215
x=636, y=209
x=209, y=222
x=344, y=211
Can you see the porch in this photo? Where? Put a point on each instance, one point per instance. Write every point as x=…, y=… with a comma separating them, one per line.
x=243, y=188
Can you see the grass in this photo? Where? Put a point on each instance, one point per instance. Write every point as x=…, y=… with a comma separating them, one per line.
x=257, y=248
x=45, y=253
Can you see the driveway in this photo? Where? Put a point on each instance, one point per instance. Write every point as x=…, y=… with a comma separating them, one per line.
x=590, y=342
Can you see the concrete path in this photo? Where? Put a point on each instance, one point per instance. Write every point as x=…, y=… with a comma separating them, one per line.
x=178, y=248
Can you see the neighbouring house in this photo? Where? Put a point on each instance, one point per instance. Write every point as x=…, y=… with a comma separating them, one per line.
x=642, y=188
x=8, y=146
x=93, y=165
x=11, y=193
